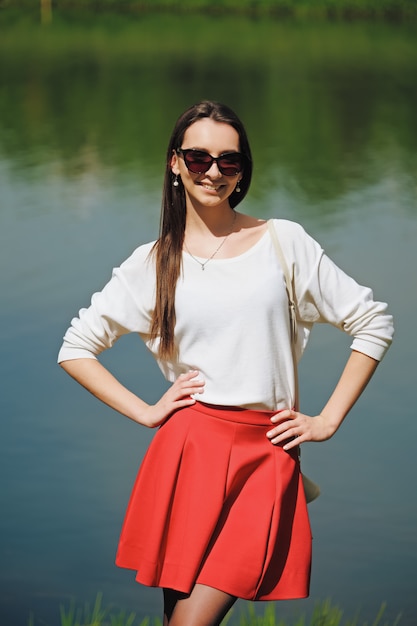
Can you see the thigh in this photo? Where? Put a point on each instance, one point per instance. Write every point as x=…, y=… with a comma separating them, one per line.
x=204, y=606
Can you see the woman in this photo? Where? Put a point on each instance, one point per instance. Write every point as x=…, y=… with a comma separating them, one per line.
x=218, y=510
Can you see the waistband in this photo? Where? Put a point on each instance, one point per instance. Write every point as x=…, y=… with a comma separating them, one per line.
x=235, y=414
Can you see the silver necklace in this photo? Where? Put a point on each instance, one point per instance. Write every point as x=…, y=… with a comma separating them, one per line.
x=203, y=265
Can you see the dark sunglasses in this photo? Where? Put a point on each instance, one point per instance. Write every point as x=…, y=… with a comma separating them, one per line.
x=199, y=161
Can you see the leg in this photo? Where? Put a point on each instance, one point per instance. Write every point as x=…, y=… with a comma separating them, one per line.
x=205, y=606
x=171, y=598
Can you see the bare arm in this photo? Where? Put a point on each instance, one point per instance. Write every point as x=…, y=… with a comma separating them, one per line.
x=92, y=375
x=287, y=424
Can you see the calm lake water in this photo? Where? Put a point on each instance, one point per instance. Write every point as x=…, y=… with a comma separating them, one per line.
x=86, y=107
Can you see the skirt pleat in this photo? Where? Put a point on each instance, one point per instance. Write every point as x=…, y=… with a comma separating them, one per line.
x=216, y=503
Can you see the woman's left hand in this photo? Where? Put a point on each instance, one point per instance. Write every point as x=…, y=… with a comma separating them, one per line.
x=292, y=428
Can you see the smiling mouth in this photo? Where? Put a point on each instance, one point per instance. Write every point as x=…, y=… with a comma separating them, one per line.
x=211, y=187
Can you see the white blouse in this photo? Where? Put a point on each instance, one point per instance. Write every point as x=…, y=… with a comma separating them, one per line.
x=232, y=318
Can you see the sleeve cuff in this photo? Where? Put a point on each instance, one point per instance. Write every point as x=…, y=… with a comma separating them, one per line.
x=67, y=353
x=374, y=350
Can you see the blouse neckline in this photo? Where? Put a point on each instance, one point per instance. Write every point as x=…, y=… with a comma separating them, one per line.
x=230, y=259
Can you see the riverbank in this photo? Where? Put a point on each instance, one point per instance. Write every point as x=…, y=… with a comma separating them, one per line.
x=324, y=614
x=328, y=9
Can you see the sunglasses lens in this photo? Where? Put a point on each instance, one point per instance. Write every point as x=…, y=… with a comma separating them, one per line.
x=197, y=161
x=230, y=164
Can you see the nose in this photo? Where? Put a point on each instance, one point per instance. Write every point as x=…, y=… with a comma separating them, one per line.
x=214, y=171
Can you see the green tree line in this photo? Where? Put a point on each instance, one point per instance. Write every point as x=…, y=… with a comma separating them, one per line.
x=320, y=101
x=393, y=9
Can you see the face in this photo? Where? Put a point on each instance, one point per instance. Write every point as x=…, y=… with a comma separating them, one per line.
x=211, y=188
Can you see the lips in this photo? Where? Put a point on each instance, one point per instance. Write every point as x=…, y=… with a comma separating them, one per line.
x=210, y=187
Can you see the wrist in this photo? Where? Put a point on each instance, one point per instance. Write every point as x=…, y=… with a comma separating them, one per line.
x=330, y=422
x=140, y=413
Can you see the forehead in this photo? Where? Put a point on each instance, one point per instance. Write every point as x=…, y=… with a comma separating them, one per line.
x=215, y=137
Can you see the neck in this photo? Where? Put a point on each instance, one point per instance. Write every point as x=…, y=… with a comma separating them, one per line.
x=218, y=221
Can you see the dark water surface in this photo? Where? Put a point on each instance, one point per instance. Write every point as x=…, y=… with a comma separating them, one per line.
x=86, y=107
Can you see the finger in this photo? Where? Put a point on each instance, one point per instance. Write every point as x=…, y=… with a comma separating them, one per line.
x=294, y=443
x=189, y=384
x=287, y=428
x=183, y=402
x=188, y=375
x=283, y=435
x=192, y=384
x=190, y=379
x=186, y=388
x=287, y=414
x=186, y=393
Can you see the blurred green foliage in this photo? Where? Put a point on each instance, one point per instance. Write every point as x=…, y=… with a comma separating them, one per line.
x=324, y=614
x=299, y=8
x=321, y=101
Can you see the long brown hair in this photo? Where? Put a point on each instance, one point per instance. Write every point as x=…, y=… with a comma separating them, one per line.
x=168, y=248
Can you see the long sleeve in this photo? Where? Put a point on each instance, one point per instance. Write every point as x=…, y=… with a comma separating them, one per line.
x=325, y=293
x=123, y=306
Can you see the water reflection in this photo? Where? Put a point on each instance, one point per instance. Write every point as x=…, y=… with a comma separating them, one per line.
x=320, y=101
x=85, y=110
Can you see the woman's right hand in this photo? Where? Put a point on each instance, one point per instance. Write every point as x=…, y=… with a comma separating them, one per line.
x=103, y=385
x=176, y=397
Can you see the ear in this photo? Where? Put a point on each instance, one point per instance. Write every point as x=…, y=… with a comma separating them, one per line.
x=174, y=163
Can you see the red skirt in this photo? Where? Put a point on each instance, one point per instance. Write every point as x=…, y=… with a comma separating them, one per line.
x=216, y=503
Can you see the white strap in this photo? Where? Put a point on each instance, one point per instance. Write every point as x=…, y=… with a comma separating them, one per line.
x=291, y=304
x=288, y=281
x=312, y=490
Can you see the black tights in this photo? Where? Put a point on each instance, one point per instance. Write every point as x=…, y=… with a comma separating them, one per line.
x=204, y=606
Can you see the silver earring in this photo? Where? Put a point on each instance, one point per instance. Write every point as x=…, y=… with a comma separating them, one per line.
x=237, y=189
x=176, y=182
